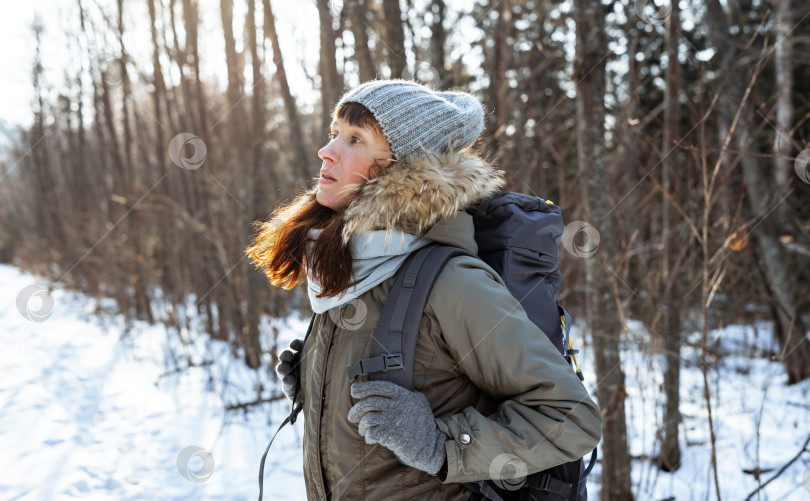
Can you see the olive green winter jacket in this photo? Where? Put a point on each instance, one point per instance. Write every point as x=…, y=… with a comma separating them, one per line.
x=498, y=387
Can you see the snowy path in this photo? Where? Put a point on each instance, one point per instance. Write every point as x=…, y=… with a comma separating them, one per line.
x=87, y=412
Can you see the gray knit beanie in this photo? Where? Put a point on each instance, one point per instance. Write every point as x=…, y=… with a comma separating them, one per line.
x=417, y=120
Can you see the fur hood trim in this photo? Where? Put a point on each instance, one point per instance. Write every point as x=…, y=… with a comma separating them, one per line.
x=413, y=196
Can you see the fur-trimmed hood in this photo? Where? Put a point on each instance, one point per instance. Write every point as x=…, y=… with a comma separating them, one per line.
x=415, y=195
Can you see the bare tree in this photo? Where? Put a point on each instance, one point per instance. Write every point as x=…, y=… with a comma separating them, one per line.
x=669, y=458
x=191, y=24
x=362, y=54
x=498, y=92
x=130, y=185
x=300, y=149
x=82, y=157
x=40, y=157
x=234, y=69
x=331, y=83
x=256, y=289
x=159, y=95
x=737, y=114
x=438, y=41
x=602, y=309
x=783, y=145
x=394, y=38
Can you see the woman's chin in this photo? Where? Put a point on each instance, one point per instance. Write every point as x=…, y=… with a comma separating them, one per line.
x=329, y=200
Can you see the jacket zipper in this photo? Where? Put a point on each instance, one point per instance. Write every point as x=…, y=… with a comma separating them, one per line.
x=328, y=344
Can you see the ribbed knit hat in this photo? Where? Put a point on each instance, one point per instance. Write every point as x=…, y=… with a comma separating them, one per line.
x=417, y=120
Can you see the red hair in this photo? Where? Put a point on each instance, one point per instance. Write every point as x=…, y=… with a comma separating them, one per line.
x=279, y=247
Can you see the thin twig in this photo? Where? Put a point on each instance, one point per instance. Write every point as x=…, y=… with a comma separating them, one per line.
x=254, y=403
x=782, y=469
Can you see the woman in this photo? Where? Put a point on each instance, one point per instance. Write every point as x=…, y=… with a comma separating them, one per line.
x=397, y=174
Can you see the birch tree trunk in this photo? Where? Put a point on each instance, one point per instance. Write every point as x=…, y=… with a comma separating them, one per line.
x=783, y=172
x=783, y=166
x=601, y=305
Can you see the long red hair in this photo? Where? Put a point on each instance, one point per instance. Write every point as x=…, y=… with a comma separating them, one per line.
x=280, y=245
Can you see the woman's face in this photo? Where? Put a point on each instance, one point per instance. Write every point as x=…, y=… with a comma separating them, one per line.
x=347, y=160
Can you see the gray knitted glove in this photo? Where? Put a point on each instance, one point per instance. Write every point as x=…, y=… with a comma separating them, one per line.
x=401, y=420
x=288, y=370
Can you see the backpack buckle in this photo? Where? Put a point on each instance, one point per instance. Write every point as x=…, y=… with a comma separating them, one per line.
x=382, y=363
x=544, y=483
x=392, y=362
x=355, y=370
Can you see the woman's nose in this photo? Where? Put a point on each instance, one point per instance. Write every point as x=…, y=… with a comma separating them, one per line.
x=328, y=152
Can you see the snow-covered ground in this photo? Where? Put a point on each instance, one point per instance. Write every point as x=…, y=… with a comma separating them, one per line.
x=760, y=423
x=91, y=410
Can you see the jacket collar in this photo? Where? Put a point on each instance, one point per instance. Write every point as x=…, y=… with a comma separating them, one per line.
x=413, y=196
x=456, y=231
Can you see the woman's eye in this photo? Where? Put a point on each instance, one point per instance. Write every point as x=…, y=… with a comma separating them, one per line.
x=332, y=136
x=355, y=139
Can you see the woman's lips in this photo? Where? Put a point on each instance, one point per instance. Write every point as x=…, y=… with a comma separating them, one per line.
x=324, y=179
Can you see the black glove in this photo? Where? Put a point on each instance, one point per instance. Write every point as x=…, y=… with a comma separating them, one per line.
x=288, y=370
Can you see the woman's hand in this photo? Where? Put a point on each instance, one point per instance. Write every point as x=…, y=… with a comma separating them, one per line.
x=402, y=421
x=288, y=371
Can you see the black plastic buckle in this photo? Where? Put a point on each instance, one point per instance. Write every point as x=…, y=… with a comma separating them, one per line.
x=390, y=361
x=544, y=483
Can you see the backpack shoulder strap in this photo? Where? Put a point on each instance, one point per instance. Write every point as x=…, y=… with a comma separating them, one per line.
x=394, y=344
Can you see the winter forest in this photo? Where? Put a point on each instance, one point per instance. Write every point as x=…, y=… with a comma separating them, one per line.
x=674, y=135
